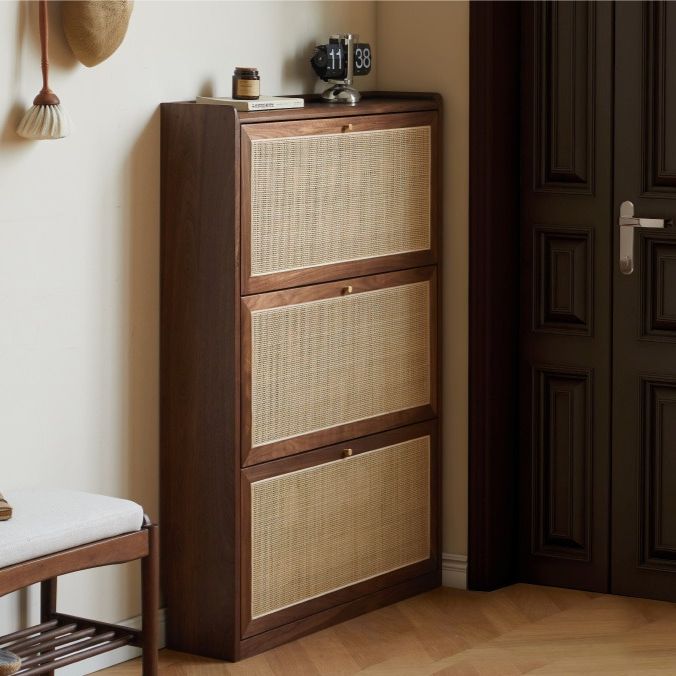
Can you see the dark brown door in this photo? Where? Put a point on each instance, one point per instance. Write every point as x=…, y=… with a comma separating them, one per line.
x=598, y=334
x=643, y=561
x=566, y=243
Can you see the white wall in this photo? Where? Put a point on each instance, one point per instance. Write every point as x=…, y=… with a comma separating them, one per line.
x=425, y=46
x=79, y=242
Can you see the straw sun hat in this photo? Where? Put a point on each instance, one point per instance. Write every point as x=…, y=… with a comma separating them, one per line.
x=95, y=28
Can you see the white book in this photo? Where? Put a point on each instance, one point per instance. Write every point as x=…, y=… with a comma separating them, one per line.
x=261, y=103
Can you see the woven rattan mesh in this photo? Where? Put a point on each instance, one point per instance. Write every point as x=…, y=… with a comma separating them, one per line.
x=317, y=200
x=323, y=363
x=330, y=526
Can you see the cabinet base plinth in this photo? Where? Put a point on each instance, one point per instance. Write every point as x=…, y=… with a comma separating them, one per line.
x=322, y=620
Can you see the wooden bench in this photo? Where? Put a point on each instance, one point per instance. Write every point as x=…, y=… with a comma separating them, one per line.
x=97, y=531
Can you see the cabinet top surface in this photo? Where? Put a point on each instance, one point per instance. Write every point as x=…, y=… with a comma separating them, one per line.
x=372, y=103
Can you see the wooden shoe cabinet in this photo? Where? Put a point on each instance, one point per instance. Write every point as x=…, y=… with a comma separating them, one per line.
x=299, y=366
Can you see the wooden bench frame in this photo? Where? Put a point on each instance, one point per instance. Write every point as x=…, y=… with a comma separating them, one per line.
x=62, y=639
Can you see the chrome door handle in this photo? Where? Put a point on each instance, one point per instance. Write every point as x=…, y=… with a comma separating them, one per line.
x=627, y=224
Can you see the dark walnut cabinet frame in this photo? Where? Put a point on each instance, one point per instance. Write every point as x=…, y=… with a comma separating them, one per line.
x=214, y=479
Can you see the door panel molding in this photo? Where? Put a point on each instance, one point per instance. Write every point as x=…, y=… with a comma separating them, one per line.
x=657, y=529
x=563, y=285
x=562, y=462
x=658, y=288
x=564, y=77
x=659, y=28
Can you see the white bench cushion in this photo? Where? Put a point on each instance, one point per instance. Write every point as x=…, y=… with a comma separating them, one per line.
x=45, y=521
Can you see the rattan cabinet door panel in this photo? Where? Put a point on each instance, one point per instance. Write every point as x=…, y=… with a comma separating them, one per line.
x=333, y=524
x=322, y=199
x=335, y=361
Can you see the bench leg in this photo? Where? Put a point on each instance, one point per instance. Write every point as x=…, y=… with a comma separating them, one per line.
x=47, y=599
x=150, y=574
x=47, y=604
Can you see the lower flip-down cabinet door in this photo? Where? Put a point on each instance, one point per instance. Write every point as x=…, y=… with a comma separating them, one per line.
x=325, y=527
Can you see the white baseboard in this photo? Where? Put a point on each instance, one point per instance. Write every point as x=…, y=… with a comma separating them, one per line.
x=454, y=571
x=114, y=656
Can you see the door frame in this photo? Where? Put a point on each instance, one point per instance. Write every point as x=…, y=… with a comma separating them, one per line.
x=493, y=293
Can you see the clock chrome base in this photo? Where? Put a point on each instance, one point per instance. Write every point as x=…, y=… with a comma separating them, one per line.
x=341, y=93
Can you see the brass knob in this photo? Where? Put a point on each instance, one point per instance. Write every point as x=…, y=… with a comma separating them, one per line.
x=347, y=452
x=348, y=127
x=347, y=290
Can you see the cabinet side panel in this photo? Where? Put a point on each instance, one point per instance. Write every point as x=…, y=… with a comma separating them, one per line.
x=200, y=378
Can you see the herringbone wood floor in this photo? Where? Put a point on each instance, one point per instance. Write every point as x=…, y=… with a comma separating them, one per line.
x=521, y=629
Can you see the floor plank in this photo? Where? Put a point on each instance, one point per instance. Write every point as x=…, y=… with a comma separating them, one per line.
x=522, y=629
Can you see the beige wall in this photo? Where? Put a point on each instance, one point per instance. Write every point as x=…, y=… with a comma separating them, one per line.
x=425, y=46
x=79, y=226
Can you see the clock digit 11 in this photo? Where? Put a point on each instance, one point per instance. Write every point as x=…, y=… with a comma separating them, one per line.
x=336, y=53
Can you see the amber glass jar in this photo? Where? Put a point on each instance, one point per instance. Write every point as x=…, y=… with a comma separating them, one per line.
x=246, y=83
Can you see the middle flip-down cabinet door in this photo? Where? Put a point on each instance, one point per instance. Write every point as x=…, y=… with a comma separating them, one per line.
x=340, y=197
x=330, y=362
